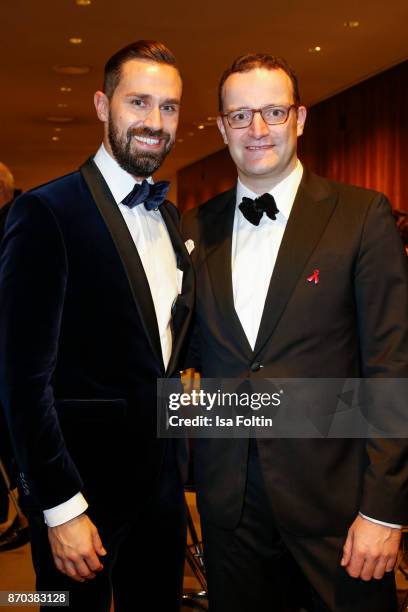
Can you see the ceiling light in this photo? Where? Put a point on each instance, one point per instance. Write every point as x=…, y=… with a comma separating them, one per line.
x=201, y=126
x=191, y=134
x=55, y=138
x=58, y=129
x=314, y=49
x=61, y=69
x=351, y=24
x=180, y=140
x=62, y=105
x=83, y=2
x=65, y=89
x=75, y=40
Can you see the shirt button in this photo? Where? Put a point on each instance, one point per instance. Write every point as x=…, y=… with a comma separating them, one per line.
x=255, y=367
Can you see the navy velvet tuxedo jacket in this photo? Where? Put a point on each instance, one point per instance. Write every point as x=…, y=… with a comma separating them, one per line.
x=79, y=343
x=353, y=323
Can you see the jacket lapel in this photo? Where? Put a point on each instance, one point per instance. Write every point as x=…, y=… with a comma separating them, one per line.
x=312, y=209
x=127, y=252
x=218, y=241
x=182, y=308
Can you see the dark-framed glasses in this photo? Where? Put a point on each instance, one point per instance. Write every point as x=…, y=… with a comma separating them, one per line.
x=272, y=115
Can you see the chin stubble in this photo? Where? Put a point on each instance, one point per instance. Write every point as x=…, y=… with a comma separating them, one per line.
x=135, y=162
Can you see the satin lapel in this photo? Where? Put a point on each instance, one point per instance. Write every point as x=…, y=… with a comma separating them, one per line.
x=217, y=230
x=127, y=252
x=312, y=209
x=185, y=301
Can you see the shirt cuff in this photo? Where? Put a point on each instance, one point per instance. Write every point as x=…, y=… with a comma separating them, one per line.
x=392, y=525
x=66, y=511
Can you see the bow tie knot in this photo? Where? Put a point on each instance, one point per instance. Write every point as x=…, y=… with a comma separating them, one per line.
x=152, y=195
x=254, y=209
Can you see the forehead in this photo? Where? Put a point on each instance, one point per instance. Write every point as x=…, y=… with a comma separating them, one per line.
x=150, y=78
x=257, y=87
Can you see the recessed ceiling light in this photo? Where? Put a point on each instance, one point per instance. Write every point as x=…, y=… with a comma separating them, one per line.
x=201, y=126
x=65, y=89
x=55, y=138
x=59, y=119
x=191, y=134
x=315, y=49
x=83, y=2
x=58, y=129
x=71, y=69
x=62, y=105
x=211, y=118
x=180, y=140
x=75, y=40
x=351, y=24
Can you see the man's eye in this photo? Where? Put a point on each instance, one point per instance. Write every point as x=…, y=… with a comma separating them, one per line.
x=169, y=108
x=137, y=102
x=240, y=115
x=275, y=112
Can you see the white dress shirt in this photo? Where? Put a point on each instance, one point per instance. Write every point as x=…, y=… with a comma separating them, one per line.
x=255, y=249
x=152, y=241
x=253, y=257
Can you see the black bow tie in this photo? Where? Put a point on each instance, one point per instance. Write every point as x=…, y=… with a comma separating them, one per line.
x=152, y=195
x=254, y=209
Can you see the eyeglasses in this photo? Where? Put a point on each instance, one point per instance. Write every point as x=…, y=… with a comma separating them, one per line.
x=271, y=114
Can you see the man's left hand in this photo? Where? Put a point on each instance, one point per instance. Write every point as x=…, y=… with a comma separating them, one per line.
x=370, y=549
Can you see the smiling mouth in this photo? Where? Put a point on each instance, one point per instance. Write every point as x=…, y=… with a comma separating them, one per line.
x=259, y=147
x=152, y=142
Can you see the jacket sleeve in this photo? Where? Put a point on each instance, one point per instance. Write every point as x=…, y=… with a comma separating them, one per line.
x=33, y=276
x=381, y=295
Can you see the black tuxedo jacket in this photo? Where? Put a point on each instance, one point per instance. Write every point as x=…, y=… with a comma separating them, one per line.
x=3, y=216
x=79, y=344
x=353, y=323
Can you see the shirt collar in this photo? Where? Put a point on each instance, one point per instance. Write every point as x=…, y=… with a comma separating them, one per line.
x=284, y=192
x=119, y=181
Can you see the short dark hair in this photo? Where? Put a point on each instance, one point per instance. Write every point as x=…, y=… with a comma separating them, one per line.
x=245, y=63
x=150, y=50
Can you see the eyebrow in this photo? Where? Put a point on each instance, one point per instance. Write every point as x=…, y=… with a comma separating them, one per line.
x=263, y=106
x=148, y=97
x=172, y=101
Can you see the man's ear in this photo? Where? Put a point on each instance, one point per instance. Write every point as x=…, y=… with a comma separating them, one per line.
x=221, y=127
x=301, y=118
x=102, y=106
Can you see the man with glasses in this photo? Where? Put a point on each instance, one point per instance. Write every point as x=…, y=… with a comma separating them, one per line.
x=297, y=277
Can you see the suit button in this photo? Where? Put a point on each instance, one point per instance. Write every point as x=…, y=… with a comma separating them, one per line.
x=255, y=367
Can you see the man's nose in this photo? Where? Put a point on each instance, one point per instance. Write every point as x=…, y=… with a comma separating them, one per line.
x=258, y=126
x=153, y=119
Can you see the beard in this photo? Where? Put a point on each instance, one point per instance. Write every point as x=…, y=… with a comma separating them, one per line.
x=124, y=149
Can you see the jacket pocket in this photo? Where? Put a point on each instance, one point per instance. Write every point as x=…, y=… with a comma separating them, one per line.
x=91, y=409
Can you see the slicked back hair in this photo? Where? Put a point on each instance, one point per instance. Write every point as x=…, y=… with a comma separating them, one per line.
x=150, y=50
x=245, y=63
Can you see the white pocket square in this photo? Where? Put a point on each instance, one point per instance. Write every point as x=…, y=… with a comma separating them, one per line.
x=189, y=245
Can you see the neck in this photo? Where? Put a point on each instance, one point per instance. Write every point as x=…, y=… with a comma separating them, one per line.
x=108, y=148
x=263, y=184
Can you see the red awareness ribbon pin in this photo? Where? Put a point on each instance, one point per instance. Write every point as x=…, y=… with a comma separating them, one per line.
x=314, y=277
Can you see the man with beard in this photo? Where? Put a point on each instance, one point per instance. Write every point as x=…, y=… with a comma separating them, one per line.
x=95, y=299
